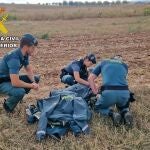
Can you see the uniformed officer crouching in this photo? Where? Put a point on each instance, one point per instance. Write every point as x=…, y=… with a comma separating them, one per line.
x=76, y=71
x=114, y=90
x=13, y=84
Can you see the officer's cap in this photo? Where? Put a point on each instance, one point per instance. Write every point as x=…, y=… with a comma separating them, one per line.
x=92, y=58
x=29, y=40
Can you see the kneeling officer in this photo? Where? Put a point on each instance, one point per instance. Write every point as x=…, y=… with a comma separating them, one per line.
x=114, y=90
x=13, y=84
x=76, y=71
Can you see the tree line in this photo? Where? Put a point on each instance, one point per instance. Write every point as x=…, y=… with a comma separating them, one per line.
x=99, y=3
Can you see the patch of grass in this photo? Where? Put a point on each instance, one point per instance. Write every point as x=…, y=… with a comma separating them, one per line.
x=114, y=23
x=45, y=36
x=147, y=11
x=12, y=17
x=38, y=12
x=134, y=28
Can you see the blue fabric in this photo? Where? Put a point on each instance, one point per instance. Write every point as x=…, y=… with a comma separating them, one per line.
x=113, y=72
x=75, y=128
x=111, y=98
x=79, y=90
x=60, y=131
x=12, y=62
x=68, y=79
x=74, y=66
x=15, y=94
x=31, y=110
x=64, y=105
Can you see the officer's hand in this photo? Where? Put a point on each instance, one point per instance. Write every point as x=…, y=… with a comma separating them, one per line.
x=98, y=96
x=95, y=91
x=35, y=86
x=99, y=87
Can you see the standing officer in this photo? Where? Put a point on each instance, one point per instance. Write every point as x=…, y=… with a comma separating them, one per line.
x=76, y=71
x=11, y=83
x=114, y=90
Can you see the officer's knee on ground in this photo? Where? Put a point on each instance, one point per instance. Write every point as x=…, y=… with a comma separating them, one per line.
x=68, y=79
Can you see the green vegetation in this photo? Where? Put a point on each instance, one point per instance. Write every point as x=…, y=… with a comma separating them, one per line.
x=147, y=11
x=45, y=13
x=12, y=17
x=45, y=36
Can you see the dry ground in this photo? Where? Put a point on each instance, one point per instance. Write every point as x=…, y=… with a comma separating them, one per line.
x=71, y=39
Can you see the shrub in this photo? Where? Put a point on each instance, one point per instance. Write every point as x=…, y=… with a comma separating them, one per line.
x=45, y=36
x=147, y=12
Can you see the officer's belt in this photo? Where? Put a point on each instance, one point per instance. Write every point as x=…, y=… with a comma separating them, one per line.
x=4, y=79
x=113, y=87
x=7, y=78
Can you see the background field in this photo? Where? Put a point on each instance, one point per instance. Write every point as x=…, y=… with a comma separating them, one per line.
x=69, y=33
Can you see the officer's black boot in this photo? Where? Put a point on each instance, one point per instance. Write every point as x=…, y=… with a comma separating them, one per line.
x=128, y=119
x=116, y=118
x=7, y=109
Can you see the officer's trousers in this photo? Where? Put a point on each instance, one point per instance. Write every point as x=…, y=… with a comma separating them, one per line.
x=15, y=94
x=110, y=98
